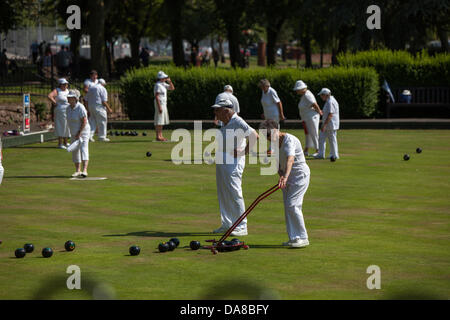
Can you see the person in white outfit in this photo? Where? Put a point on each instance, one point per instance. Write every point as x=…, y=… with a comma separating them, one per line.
x=230, y=164
x=1, y=159
x=227, y=94
x=97, y=104
x=310, y=115
x=330, y=125
x=92, y=80
x=294, y=181
x=58, y=97
x=79, y=128
x=271, y=103
x=272, y=106
x=161, y=117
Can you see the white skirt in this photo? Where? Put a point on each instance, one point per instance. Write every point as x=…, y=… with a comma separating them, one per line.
x=162, y=118
x=61, y=126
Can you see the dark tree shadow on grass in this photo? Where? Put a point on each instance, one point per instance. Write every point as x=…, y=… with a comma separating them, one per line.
x=36, y=177
x=37, y=147
x=162, y=234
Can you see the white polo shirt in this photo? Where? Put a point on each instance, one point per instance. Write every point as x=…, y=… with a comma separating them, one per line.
x=291, y=146
x=96, y=95
x=269, y=102
x=331, y=106
x=74, y=117
x=88, y=82
x=305, y=105
x=235, y=139
x=227, y=95
x=161, y=89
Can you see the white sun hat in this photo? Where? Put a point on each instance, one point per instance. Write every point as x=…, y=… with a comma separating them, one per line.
x=62, y=81
x=73, y=94
x=102, y=81
x=299, y=85
x=228, y=87
x=324, y=91
x=223, y=103
x=161, y=75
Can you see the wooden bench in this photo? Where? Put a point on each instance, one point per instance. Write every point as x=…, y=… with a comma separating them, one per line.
x=421, y=97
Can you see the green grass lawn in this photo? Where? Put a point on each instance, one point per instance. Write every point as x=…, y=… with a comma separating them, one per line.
x=368, y=208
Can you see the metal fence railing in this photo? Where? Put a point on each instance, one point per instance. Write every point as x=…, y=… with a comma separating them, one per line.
x=27, y=79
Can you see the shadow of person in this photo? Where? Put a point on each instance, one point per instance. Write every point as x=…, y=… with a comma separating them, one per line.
x=159, y=234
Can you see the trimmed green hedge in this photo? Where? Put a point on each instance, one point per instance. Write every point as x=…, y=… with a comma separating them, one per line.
x=356, y=90
x=400, y=68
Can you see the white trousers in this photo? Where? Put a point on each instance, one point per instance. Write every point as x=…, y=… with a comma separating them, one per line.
x=332, y=139
x=80, y=149
x=229, y=193
x=98, y=119
x=312, y=132
x=61, y=126
x=1, y=173
x=293, y=201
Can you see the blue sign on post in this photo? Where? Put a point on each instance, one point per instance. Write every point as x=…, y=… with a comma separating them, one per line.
x=26, y=113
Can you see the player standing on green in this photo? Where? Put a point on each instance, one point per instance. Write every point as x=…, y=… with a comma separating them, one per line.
x=330, y=125
x=294, y=181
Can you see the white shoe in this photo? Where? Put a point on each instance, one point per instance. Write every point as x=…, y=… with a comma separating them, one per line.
x=317, y=156
x=104, y=139
x=288, y=244
x=299, y=243
x=239, y=233
x=84, y=174
x=91, y=139
x=76, y=174
x=222, y=229
x=62, y=147
x=67, y=145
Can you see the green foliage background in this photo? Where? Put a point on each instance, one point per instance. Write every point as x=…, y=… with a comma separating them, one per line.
x=356, y=90
x=400, y=68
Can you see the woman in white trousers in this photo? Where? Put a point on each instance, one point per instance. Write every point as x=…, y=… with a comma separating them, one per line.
x=294, y=181
x=310, y=114
x=80, y=131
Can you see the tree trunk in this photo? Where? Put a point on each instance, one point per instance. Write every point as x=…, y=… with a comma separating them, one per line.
x=233, y=43
x=96, y=27
x=306, y=42
x=134, y=46
x=75, y=36
x=272, y=36
x=321, y=57
x=221, y=53
x=442, y=34
x=175, y=8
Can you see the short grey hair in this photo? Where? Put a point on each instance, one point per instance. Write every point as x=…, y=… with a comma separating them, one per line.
x=264, y=82
x=269, y=125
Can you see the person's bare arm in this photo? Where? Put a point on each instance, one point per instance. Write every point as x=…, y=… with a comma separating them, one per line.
x=317, y=108
x=158, y=103
x=280, y=108
x=252, y=141
x=52, y=95
x=172, y=87
x=283, y=179
x=106, y=105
